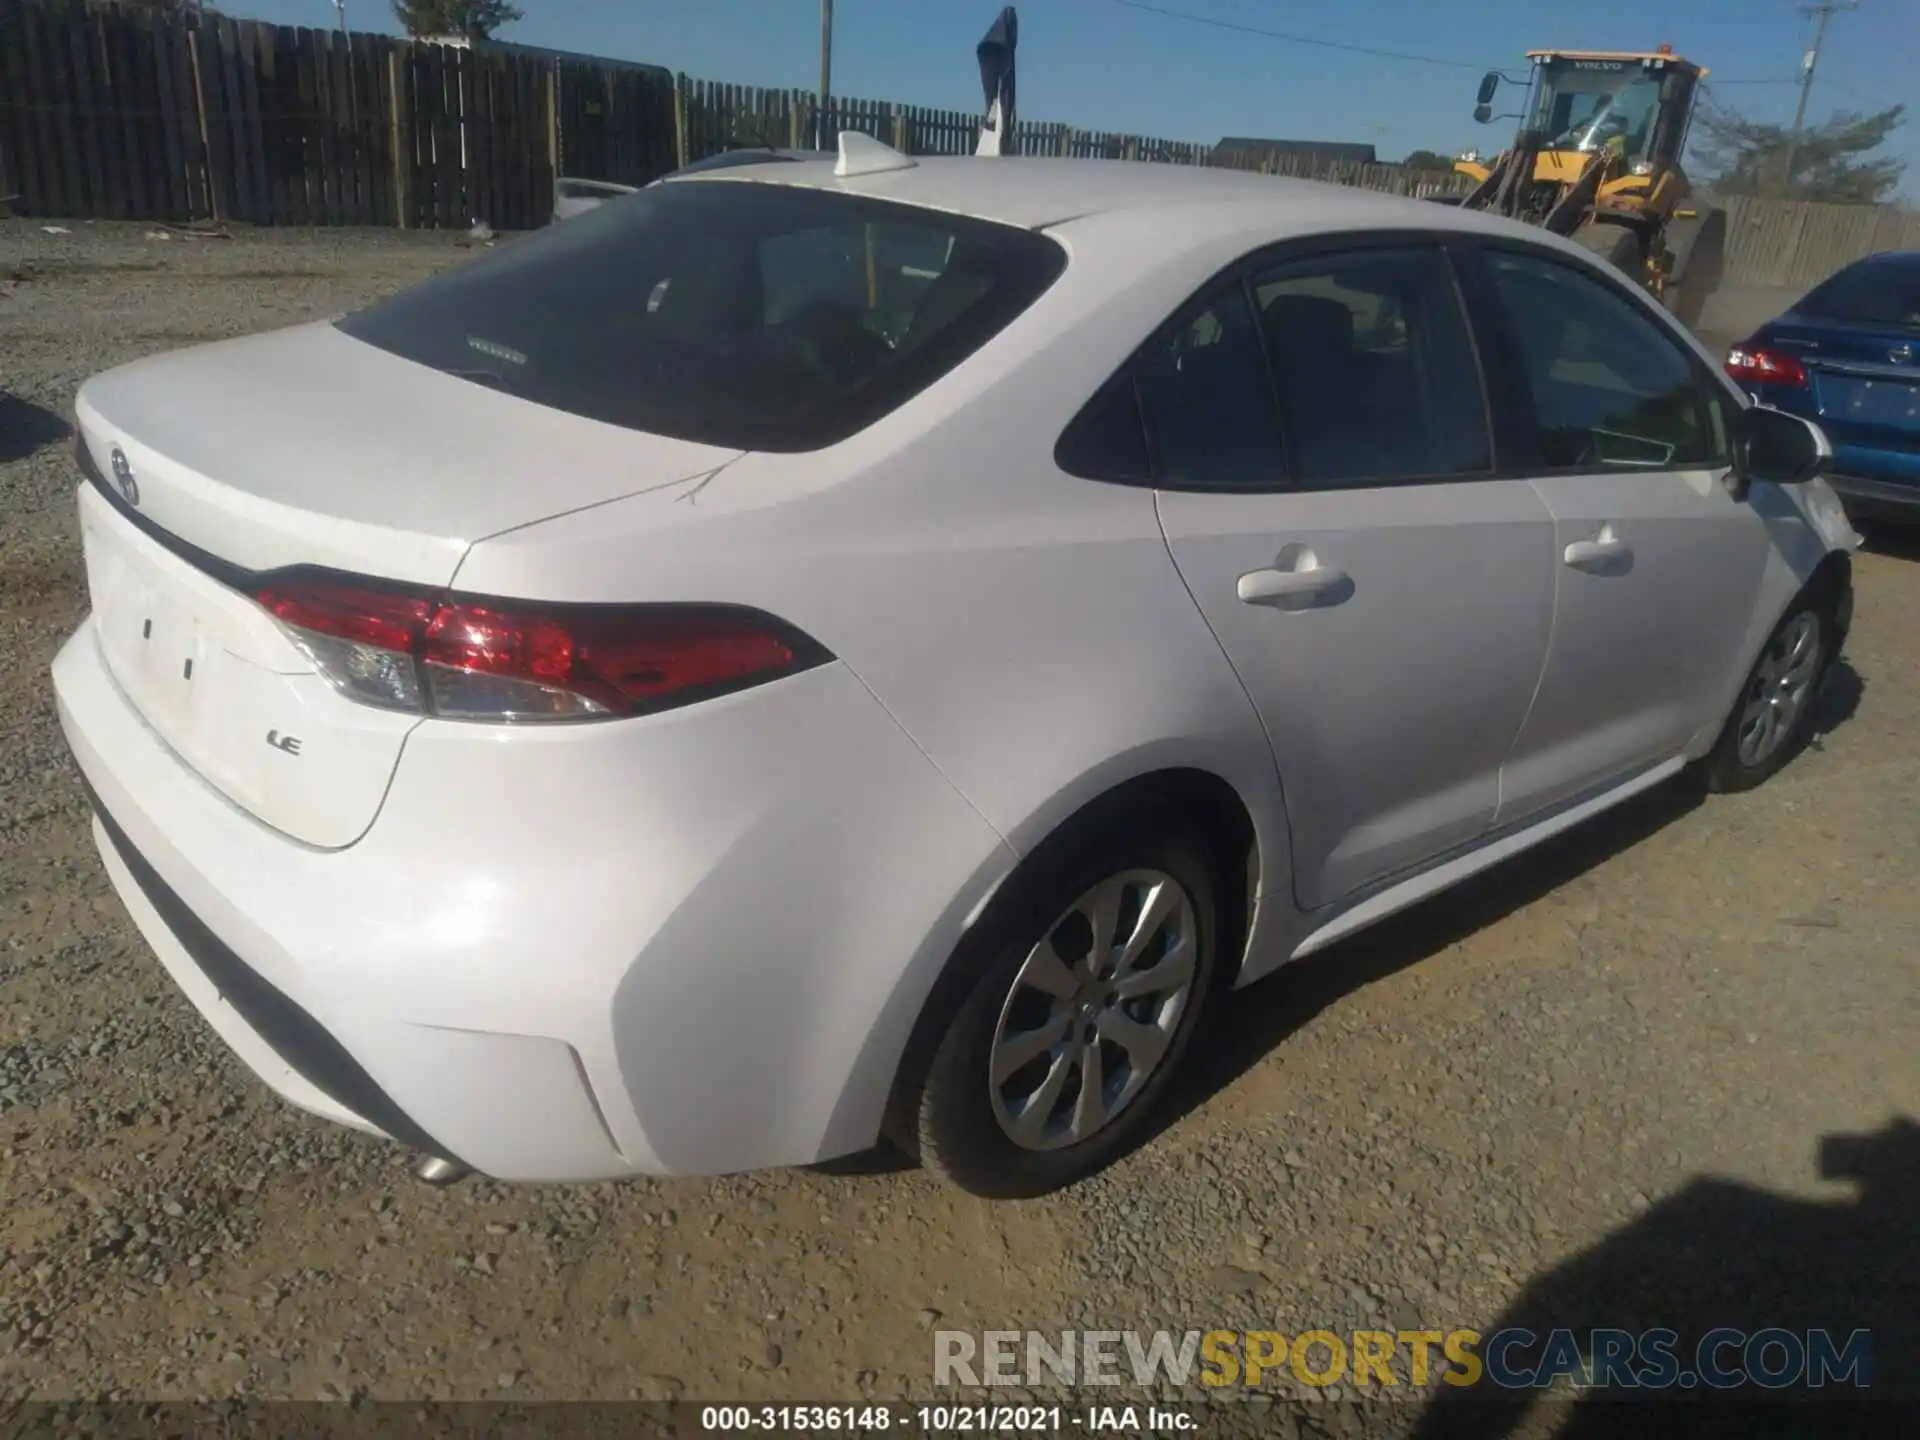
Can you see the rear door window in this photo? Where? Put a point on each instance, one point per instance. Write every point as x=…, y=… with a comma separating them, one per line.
x=733, y=313
x=1880, y=292
x=1206, y=402
x=1375, y=368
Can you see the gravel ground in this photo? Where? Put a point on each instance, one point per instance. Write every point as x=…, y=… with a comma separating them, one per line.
x=1594, y=1088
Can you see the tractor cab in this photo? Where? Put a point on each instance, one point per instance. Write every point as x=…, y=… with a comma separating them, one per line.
x=1617, y=120
x=1597, y=159
x=1638, y=104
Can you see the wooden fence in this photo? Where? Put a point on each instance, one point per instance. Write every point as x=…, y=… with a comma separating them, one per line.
x=113, y=114
x=122, y=114
x=1797, y=244
x=119, y=114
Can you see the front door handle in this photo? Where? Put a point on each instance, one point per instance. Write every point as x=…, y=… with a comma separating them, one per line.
x=1603, y=551
x=1277, y=587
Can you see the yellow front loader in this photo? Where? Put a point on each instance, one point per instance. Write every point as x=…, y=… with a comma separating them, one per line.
x=1597, y=158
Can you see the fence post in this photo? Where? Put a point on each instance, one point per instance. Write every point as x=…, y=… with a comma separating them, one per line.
x=400, y=136
x=679, y=119
x=898, y=128
x=200, y=109
x=552, y=88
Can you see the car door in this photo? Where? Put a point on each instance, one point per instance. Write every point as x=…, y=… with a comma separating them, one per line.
x=1659, y=564
x=1325, y=475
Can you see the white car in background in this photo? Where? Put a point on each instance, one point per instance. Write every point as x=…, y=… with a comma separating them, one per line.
x=813, y=652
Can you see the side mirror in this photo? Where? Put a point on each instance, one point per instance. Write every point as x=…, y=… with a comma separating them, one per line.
x=1489, y=83
x=1771, y=445
x=1483, y=113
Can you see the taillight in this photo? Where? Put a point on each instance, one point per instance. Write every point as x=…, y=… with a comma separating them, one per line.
x=361, y=640
x=1759, y=366
x=474, y=659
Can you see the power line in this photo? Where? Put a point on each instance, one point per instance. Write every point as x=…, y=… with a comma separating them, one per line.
x=1293, y=39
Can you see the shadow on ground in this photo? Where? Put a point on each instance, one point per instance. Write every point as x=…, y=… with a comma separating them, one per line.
x=1265, y=1014
x=26, y=427
x=1900, y=541
x=1839, y=698
x=1722, y=1256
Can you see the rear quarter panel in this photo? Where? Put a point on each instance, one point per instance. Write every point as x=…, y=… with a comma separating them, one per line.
x=1026, y=628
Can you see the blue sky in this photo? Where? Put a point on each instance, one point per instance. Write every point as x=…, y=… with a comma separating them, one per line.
x=1101, y=64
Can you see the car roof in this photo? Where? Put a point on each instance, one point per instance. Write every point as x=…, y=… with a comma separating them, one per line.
x=1036, y=193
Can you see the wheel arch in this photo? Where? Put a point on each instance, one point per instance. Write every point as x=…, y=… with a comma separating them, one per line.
x=1220, y=818
x=1793, y=573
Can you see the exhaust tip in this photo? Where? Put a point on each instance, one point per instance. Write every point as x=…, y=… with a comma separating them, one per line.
x=439, y=1172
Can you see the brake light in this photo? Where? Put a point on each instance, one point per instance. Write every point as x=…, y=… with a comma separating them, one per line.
x=1759, y=366
x=479, y=659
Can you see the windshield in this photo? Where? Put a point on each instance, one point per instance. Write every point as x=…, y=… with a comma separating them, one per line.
x=1585, y=104
x=735, y=313
x=730, y=159
x=1875, y=292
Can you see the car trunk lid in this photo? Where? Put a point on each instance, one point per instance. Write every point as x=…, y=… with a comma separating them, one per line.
x=214, y=468
x=1865, y=377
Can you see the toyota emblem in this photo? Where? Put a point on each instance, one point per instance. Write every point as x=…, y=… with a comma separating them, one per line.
x=123, y=477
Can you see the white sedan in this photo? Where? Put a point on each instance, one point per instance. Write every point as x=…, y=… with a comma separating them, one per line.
x=826, y=651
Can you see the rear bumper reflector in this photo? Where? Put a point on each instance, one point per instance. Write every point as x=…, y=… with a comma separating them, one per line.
x=295, y=1036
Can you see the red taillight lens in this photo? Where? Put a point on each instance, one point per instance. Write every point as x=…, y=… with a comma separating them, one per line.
x=366, y=617
x=1758, y=366
x=360, y=640
x=614, y=662
x=502, y=660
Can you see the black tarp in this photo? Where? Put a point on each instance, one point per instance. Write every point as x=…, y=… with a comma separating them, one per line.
x=996, y=83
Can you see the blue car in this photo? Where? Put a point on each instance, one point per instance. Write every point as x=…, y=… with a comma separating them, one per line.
x=1847, y=356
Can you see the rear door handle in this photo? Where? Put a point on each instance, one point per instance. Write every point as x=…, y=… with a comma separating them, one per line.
x=1273, y=587
x=1605, y=548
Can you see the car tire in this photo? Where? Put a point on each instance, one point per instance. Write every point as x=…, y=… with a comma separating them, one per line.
x=1776, y=712
x=961, y=1123
x=1699, y=251
x=1618, y=245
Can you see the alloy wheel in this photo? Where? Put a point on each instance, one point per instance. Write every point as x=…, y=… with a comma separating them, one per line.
x=1094, y=1010
x=1782, y=687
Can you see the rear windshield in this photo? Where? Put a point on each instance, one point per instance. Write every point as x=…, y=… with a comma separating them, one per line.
x=752, y=316
x=732, y=159
x=1880, y=292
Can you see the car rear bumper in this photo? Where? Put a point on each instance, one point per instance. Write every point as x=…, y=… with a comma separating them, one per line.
x=1870, y=498
x=685, y=945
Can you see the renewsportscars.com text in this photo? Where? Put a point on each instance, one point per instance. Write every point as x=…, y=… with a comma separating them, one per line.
x=1512, y=1359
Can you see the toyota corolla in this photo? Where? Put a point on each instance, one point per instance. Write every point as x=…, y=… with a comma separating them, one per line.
x=834, y=650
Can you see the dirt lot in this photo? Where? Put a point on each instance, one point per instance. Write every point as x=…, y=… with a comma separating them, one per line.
x=1592, y=1088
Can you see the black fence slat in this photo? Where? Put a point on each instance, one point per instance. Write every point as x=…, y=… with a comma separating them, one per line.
x=249, y=139
x=121, y=90
x=35, y=174
x=86, y=185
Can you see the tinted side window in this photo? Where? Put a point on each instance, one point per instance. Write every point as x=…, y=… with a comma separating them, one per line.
x=1610, y=388
x=1375, y=367
x=1107, y=440
x=1206, y=401
x=1875, y=292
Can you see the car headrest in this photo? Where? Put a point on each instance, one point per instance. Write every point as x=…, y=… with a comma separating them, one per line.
x=1304, y=325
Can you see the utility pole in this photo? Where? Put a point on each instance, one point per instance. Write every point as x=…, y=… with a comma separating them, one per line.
x=1823, y=11
x=821, y=123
